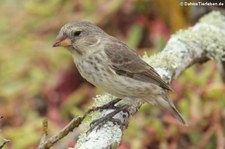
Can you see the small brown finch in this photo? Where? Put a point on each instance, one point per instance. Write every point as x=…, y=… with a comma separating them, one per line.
x=110, y=64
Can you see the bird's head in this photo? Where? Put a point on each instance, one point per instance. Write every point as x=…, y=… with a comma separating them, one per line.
x=79, y=37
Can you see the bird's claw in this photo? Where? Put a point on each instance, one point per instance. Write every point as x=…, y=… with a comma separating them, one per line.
x=110, y=105
x=98, y=123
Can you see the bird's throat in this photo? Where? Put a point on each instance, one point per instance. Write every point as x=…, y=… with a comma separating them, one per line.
x=76, y=50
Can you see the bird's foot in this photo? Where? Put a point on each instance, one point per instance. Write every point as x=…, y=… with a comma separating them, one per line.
x=110, y=105
x=98, y=123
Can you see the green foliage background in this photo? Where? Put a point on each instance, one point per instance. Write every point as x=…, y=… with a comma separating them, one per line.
x=37, y=81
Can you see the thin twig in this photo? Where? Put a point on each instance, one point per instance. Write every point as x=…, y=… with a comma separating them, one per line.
x=5, y=141
x=221, y=66
x=46, y=142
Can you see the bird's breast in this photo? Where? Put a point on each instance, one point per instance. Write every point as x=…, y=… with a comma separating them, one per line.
x=94, y=68
x=97, y=71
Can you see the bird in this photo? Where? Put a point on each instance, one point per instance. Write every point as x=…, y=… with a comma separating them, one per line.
x=109, y=64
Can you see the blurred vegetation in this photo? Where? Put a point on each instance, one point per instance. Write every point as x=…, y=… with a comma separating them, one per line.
x=38, y=81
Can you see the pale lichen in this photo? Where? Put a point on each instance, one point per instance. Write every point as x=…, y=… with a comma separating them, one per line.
x=103, y=99
x=212, y=40
x=165, y=61
x=215, y=18
x=191, y=40
x=105, y=137
x=204, y=36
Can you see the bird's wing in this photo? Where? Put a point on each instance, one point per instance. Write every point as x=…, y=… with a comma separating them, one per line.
x=126, y=62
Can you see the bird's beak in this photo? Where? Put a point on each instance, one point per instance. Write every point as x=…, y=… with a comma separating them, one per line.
x=62, y=41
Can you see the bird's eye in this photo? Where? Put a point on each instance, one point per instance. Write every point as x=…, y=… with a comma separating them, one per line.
x=76, y=33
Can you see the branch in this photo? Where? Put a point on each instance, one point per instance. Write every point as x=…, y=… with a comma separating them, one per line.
x=5, y=141
x=221, y=67
x=202, y=42
x=46, y=142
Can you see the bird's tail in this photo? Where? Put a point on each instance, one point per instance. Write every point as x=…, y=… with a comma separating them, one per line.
x=168, y=105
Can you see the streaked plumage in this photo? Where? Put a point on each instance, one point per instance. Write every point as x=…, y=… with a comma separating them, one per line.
x=111, y=65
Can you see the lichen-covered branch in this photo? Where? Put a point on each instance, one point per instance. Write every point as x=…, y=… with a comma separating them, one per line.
x=204, y=41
